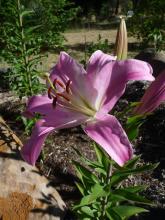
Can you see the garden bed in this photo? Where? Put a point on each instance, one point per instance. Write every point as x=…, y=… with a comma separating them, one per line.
x=58, y=153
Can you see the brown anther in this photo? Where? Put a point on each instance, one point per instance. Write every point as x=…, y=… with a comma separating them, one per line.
x=56, y=81
x=49, y=93
x=54, y=102
x=63, y=96
x=68, y=87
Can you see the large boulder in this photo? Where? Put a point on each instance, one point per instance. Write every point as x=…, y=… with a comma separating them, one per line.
x=25, y=193
x=155, y=59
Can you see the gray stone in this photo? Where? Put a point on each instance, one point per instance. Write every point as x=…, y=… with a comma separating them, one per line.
x=25, y=193
x=155, y=59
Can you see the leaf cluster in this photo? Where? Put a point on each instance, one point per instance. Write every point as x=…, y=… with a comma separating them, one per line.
x=147, y=24
x=21, y=51
x=104, y=195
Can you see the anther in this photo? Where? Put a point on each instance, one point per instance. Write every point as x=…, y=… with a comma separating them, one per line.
x=63, y=96
x=56, y=81
x=49, y=93
x=68, y=87
x=54, y=102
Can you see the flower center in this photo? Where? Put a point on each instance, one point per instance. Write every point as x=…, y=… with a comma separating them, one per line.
x=64, y=96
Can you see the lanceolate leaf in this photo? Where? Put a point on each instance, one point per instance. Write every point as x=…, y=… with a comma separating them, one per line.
x=112, y=214
x=96, y=192
x=101, y=156
x=81, y=188
x=84, y=173
x=132, y=163
x=126, y=211
x=88, y=211
x=27, y=12
x=119, y=176
x=129, y=196
x=133, y=124
x=136, y=189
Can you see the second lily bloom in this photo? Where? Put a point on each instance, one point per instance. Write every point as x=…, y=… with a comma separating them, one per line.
x=153, y=97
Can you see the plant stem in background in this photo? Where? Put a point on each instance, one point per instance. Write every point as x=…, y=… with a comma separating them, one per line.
x=24, y=49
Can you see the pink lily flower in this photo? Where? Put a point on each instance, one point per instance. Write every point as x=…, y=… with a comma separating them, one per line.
x=153, y=97
x=76, y=96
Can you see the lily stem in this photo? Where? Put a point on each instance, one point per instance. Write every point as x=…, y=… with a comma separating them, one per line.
x=105, y=199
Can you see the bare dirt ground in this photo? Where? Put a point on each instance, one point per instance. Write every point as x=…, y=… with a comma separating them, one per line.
x=91, y=35
x=77, y=40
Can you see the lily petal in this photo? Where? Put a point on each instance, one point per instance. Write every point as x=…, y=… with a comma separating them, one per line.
x=109, y=134
x=60, y=118
x=38, y=104
x=97, y=61
x=110, y=80
x=69, y=69
x=57, y=117
x=66, y=68
x=153, y=96
x=31, y=150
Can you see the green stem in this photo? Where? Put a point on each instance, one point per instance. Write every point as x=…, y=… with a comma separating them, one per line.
x=24, y=49
x=105, y=199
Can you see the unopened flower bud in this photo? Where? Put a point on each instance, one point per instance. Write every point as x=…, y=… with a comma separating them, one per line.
x=121, y=45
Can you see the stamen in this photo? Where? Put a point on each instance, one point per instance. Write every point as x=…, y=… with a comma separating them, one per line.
x=68, y=90
x=49, y=93
x=63, y=96
x=56, y=81
x=54, y=102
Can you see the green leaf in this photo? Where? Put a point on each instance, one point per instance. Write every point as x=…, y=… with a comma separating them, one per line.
x=112, y=215
x=136, y=189
x=126, y=211
x=101, y=171
x=88, y=211
x=133, y=125
x=27, y=12
x=130, y=196
x=120, y=175
x=102, y=157
x=31, y=29
x=96, y=192
x=92, y=164
x=84, y=173
x=81, y=188
x=131, y=163
x=99, y=153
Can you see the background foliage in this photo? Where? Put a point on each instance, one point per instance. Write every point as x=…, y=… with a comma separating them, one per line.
x=148, y=23
x=26, y=28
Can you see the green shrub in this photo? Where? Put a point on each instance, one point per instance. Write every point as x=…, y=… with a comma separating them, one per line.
x=148, y=23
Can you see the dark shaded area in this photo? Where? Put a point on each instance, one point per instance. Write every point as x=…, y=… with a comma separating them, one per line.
x=154, y=214
x=155, y=59
x=152, y=142
x=4, y=85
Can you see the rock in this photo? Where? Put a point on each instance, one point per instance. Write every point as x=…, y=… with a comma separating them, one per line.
x=135, y=90
x=25, y=193
x=155, y=59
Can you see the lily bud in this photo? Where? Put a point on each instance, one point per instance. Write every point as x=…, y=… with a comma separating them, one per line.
x=121, y=45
